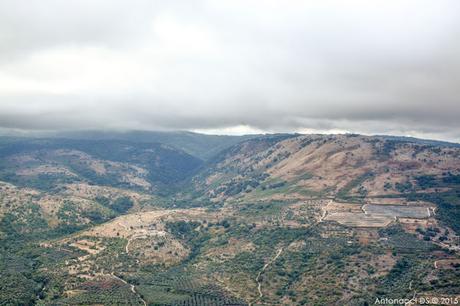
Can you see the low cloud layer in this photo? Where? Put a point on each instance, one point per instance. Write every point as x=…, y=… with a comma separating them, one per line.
x=232, y=66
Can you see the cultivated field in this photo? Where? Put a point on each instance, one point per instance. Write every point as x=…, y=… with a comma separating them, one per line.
x=359, y=219
x=399, y=211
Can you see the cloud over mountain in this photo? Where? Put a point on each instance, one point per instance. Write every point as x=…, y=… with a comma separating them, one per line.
x=360, y=66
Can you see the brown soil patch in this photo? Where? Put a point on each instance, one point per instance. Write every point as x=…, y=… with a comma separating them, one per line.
x=367, y=236
x=45, y=169
x=333, y=207
x=230, y=250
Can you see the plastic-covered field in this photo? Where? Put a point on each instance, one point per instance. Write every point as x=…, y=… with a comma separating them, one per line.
x=359, y=219
x=399, y=211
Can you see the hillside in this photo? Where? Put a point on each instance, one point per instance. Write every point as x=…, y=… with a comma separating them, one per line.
x=199, y=145
x=46, y=163
x=335, y=166
x=282, y=219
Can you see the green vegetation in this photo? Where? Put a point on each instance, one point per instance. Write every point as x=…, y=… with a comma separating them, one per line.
x=174, y=288
x=122, y=204
x=165, y=165
x=404, y=187
x=343, y=192
x=448, y=206
x=257, y=227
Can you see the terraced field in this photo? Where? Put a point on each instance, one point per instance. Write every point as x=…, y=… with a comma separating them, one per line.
x=359, y=219
x=398, y=211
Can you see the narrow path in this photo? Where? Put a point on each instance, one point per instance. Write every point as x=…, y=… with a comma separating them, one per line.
x=134, y=237
x=259, y=284
x=127, y=245
x=133, y=288
x=122, y=225
x=324, y=213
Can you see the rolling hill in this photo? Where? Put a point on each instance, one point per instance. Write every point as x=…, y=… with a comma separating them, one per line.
x=282, y=219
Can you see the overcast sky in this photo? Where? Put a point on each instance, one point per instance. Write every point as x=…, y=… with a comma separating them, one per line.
x=236, y=66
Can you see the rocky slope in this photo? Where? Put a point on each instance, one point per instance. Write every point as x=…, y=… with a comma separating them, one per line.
x=329, y=166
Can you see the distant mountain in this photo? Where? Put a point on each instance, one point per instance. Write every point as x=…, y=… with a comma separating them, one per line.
x=421, y=141
x=199, y=145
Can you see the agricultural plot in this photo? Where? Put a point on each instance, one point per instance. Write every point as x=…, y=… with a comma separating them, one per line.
x=408, y=243
x=397, y=211
x=359, y=219
x=334, y=207
x=163, y=289
x=103, y=291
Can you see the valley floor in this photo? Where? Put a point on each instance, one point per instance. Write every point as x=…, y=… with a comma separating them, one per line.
x=199, y=256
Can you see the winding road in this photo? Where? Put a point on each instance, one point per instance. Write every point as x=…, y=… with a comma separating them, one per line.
x=259, y=284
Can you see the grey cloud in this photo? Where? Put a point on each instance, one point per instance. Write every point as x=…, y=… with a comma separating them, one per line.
x=390, y=67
